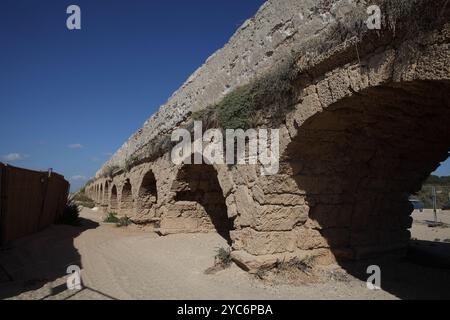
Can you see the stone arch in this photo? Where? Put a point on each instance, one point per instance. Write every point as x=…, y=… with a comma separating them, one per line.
x=199, y=200
x=358, y=160
x=101, y=196
x=147, y=194
x=126, y=199
x=113, y=203
x=106, y=193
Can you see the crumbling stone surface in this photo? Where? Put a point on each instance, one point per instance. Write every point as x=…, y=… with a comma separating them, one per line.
x=369, y=124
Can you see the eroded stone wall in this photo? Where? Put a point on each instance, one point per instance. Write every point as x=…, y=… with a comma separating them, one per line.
x=369, y=124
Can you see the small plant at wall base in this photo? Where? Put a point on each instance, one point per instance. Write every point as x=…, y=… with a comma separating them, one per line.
x=222, y=260
x=70, y=215
x=111, y=218
x=83, y=200
x=304, y=265
x=223, y=257
x=124, y=222
x=262, y=272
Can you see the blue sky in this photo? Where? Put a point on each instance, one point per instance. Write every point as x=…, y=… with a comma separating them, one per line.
x=69, y=99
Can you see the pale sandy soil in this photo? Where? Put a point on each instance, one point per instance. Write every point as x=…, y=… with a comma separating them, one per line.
x=127, y=263
x=422, y=220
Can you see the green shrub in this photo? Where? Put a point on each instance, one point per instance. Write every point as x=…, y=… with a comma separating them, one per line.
x=111, y=218
x=109, y=171
x=83, y=200
x=304, y=264
x=234, y=110
x=124, y=222
x=70, y=215
x=262, y=272
x=155, y=148
x=130, y=163
x=223, y=257
x=269, y=96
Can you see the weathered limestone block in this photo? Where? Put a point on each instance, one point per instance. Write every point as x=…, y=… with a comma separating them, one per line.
x=244, y=174
x=309, y=105
x=225, y=179
x=280, y=218
x=252, y=263
x=359, y=79
x=144, y=215
x=179, y=208
x=180, y=223
x=339, y=83
x=324, y=93
x=284, y=199
x=245, y=205
x=308, y=239
x=283, y=183
x=231, y=206
x=261, y=243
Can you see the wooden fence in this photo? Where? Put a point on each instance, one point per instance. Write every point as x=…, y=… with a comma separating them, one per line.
x=29, y=201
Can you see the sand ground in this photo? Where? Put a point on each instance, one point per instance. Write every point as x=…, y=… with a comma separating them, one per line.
x=130, y=263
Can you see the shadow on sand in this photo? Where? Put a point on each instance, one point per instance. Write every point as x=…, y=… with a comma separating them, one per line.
x=423, y=273
x=32, y=262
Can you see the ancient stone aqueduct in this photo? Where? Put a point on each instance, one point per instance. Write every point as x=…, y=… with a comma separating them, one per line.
x=369, y=123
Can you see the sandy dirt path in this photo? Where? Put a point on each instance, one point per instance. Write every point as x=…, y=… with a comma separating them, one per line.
x=421, y=227
x=126, y=263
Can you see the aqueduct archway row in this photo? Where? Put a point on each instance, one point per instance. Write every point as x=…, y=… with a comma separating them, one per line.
x=362, y=137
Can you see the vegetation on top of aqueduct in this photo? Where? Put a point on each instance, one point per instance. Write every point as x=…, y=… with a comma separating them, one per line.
x=263, y=100
x=267, y=99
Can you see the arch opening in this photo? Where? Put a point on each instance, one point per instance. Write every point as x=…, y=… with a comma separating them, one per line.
x=199, y=198
x=113, y=201
x=148, y=194
x=126, y=200
x=106, y=193
x=360, y=159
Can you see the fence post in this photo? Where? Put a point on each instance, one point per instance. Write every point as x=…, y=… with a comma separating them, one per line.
x=45, y=182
